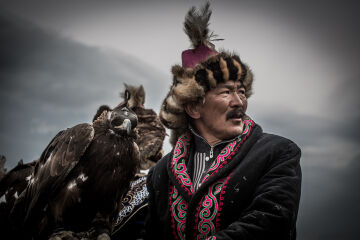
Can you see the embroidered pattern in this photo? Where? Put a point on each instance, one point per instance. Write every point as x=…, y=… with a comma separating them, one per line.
x=178, y=163
x=136, y=197
x=211, y=204
x=211, y=238
x=178, y=207
x=207, y=211
x=221, y=203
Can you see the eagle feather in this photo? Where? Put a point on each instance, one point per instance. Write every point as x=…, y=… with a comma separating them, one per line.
x=196, y=26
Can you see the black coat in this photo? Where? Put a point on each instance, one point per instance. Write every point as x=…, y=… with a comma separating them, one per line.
x=253, y=193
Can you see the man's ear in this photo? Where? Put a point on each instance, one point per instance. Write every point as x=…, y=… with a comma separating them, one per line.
x=192, y=109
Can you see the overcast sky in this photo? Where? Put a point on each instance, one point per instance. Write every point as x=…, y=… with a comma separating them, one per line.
x=61, y=60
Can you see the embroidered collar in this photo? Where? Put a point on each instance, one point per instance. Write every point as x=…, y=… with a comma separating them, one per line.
x=182, y=150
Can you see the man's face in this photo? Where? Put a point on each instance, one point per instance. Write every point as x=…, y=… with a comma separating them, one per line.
x=221, y=116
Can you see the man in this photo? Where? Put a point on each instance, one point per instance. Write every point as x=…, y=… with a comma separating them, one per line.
x=224, y=178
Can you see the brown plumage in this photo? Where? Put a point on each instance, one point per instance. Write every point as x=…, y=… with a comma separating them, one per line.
x=150, y=131
x=137, y=96
x=11, y=186
x=100, y=110
x=80, y=179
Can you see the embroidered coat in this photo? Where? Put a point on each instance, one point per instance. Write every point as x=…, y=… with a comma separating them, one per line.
x=251, y=191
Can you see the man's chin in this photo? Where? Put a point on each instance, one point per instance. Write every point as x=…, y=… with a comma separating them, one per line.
x=237, y=125
x=236, y=121
x=234, y=130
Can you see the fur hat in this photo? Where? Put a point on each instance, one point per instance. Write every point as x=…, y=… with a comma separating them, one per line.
x=202, y=69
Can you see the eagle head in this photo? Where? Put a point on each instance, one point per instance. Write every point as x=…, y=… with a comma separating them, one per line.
x=122, y=118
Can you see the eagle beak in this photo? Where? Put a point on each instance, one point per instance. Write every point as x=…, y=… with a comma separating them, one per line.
x=126, y=125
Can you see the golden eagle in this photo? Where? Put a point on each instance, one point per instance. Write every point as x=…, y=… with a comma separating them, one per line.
x=151, y=132
x=80, y=178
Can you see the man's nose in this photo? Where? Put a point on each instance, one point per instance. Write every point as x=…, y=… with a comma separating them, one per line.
x=236, y=100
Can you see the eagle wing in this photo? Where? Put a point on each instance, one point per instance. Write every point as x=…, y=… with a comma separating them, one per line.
x=58, y=159
x=151, y=135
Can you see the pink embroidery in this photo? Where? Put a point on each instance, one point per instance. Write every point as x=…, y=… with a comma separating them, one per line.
x=221, y=199
x=207, y=212
x=178, y=163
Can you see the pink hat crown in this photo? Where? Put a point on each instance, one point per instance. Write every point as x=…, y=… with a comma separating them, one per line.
x=196, y=27
x=191, y=57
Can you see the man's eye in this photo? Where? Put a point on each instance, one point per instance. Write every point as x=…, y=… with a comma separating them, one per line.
x=225, y=92
x=241, y=92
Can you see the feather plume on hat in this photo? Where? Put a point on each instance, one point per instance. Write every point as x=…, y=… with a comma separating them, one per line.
x=196, y=27
x=202, y=69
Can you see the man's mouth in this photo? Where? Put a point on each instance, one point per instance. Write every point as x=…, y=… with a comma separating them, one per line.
x=235, y=114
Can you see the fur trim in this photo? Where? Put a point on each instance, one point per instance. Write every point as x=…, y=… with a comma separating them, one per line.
x=212, y=81
x=248, y=81
x=137, y=95
x=187, y=90
x=172, y=120
x=224, y=69
x=173, y=105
